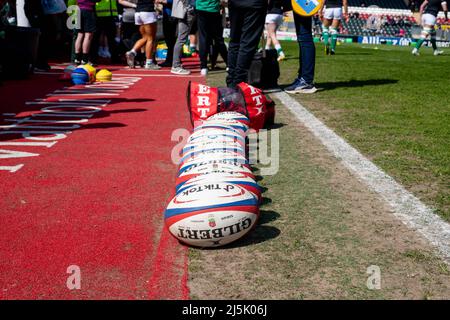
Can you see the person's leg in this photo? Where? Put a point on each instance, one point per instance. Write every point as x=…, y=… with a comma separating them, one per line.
x=252, y=28
x=150, y=32
x=87, y=46
x=79, y=46
x=184, y=25
x=268, y=27
x=142, y=41
x=203, y=37
x=217, y=37
x=307, y=57
x=97, y=39
x=169, y=30
x=110, y=34
x=193, y=35
x=235, y=15
x=307, y=48
x=334, y=34
x=326, y=33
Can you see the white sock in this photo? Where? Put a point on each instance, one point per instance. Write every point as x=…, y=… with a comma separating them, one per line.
x=278, y=46
x=267, y=47
x=134, y=51
x=149, y=61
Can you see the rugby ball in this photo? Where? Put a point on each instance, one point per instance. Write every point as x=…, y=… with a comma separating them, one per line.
x=192, y=152
x=214, y=144
x=231, y=123
x=211, y=214
x=216, y=138
x=214, y=155
x=211, y=133
x=241, y=180
x=200, y=169
x=221, y=126
x=230, y=115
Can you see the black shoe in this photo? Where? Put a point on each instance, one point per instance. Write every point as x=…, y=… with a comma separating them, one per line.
x=76, y=61
x=332, y=52
x=327, y=50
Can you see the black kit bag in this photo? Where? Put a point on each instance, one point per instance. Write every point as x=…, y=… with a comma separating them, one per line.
x=264, y=70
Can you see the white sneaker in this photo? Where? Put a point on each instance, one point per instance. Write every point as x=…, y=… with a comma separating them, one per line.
x=281, y=56
x=438, y=52
x=415, y=52
x=204, y=71
x=180, y=71
x=152, y=66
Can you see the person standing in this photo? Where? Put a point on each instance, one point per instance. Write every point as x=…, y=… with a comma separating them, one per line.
x=146, y=18
x=247, y=19
x=106, y=11
x=331, y=20
x=429, y=11
x=85, y=31
x=210, y=31
x=304, y=83
x=184, y=12
x=274, y=19
x=169, y=30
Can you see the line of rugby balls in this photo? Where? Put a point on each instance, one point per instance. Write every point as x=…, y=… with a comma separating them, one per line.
x=217, y=197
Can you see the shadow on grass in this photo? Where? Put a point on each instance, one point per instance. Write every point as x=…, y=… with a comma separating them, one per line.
x=355, y=83
x=260, y=234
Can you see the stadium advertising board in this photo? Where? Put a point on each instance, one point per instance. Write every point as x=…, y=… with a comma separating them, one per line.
x=395, y=41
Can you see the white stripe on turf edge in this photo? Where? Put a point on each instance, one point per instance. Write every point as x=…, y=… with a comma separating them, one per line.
x=407, y=207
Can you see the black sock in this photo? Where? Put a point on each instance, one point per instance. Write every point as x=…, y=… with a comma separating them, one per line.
x=85, y=57
x=78, y=56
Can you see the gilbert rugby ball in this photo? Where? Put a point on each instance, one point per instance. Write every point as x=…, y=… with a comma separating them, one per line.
x=241, y=180
x=211, y=214
x=197, y=170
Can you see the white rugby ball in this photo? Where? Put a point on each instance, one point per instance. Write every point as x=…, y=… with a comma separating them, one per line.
x=241, y=180
x=200, y=169
x=211, y=214
x=230, y=115
x=192, y=152
x=216, y=138
x=219, y=153
x=211, y=132
x=222, y=126
x=228, y=122
x=200, y=162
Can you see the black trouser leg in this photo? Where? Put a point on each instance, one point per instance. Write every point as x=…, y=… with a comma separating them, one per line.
x=219, y=43
x=110, y=33
x=204, y=32
x=252, y=28
x=170, y=35
x=236, y=20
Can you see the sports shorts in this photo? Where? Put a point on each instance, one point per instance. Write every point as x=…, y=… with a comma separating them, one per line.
x=428, y=19
x=333, y=13
x=87, y=21
x=274, y=18
x=141, y=18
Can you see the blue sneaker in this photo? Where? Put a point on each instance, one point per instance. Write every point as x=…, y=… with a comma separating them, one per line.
x=300, y=86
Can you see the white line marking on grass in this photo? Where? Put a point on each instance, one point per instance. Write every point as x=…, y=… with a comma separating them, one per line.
x=409, y=209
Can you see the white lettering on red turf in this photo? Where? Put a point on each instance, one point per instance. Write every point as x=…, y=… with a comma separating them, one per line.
x=68, y=111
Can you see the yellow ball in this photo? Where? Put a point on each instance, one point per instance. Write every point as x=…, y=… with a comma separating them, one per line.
x=104, y=75
x=91, y=71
